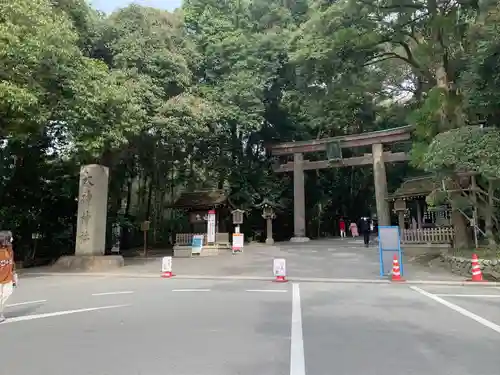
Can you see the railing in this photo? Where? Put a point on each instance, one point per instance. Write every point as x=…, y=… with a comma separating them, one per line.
x=429, y=235
x=185, y=239
x=222, y=238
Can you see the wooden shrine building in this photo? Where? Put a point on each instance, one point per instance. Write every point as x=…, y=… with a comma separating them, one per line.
x=196, y=205
x=418, y=222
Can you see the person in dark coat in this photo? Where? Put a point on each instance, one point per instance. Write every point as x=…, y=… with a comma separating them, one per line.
x=364, y=227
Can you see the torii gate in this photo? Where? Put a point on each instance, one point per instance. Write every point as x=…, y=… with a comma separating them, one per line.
x=378, y=158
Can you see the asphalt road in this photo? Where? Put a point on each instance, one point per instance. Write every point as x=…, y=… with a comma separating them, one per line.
x=133, y=326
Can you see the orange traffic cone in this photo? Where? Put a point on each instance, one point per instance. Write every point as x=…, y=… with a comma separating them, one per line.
x=279, y=270
x=396, y=272
x=166, y=268
x=167, y=274
x=280, y=279
x=477, y=275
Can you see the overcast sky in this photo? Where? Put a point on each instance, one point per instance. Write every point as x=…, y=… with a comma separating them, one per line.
x=111, y=5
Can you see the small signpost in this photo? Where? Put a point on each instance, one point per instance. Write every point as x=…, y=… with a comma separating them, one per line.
x=279, y=270
x=145, y=227
x=211, y=226
x=197, y=244
x=166, y=267
x=389, y=243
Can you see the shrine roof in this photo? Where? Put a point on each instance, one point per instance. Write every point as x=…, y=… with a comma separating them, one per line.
x=415, y=187
x=422, y=186
x=201, y=199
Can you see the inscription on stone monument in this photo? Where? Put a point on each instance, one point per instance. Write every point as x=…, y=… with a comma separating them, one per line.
x=92, y=210
x=85, y=201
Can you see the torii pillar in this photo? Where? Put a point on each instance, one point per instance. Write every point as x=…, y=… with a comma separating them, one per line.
x=299, y=200
x=380, y=181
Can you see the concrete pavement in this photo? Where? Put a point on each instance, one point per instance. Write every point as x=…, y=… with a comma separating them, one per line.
x=129, y=326
x=321, y=259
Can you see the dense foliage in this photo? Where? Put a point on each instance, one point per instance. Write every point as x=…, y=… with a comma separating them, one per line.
x=190, y=99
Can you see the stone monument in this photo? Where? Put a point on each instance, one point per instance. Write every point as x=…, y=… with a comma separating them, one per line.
x=91, y=223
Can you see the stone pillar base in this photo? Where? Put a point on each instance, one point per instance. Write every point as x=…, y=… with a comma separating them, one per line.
x=300, y=239
x=269, y=241
x=182, y=251
x=89, y=263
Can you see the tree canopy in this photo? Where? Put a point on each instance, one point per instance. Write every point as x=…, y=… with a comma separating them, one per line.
x=187, y=100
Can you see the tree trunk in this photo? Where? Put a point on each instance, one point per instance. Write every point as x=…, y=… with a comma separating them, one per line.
x=320, y=214
x=192, y=185
x=460, y=226
x=475, y=210
x=129, y=197
x=488, y=215
x=451, y=113
x=106, y=158
x=459, y=222
x=449, y=116
x=160, y=208
x=150, y=198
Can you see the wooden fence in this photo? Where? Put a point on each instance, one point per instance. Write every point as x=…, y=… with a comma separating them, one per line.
x=185, y=239
x=429, y=235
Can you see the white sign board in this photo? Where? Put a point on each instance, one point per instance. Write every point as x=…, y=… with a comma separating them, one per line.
x=238, y=242
x=211, y=227
x=279, y=267
x=166, y=264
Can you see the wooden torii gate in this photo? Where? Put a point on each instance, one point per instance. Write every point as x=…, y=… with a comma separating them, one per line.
x=334, y=145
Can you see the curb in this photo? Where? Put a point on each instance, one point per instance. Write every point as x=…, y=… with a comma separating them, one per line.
x=265, y=278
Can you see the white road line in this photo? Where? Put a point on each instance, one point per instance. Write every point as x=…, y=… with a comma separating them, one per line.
x=58, y=313
x=190, y=290
x=297, y=362
x=113, y=293
x=267, y=290
x=64, y=281
x=26, y=303
x=470, y=295
x=459, y=309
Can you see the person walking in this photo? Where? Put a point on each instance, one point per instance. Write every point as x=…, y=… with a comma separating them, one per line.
x=364, y=226
x=354, y=229
x=7, y=275
x=342, y=228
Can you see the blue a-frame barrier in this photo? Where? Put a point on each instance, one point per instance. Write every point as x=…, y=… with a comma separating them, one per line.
x=389, y=242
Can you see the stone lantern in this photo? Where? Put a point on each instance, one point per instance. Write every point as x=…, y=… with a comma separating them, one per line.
x=400, y=209
x=237, y=219
x=268, y=213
